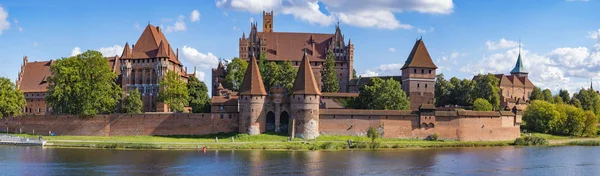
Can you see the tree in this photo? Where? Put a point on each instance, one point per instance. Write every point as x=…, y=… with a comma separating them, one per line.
x=235, y=74
x=462, y=91
x=199, y=99
x=373, y=133
x=382, y=94
x=564, y=94
x=173, y=92
x=548, y=95
x=12, y=100
x=329, y=78
x=443, y=90
x=279, y=74
x=536, y=94
x=132, y=102
x=575, y=102
x=571, y=120
x=481, y=104
x=590, y=128
x=354, y=74
x=558, y=100
x=83, y=85
x=538, y=116
x=589, y=100
x=486, y=87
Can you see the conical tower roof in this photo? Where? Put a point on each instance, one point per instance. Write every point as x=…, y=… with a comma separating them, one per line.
x=252, y=83
x=127, y=51
x=305, y=83
x=162, y=50
x=519, y=68
x=419, y=57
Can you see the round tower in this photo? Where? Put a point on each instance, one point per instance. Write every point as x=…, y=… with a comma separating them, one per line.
x=305, y=101
x=251, y=101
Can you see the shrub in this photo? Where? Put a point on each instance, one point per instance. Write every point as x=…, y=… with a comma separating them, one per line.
x=481, y=104
x=433, y=137
x=531, y=141
x=373, y=133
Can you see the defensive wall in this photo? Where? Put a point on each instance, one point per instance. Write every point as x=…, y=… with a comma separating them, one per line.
x=459, y=125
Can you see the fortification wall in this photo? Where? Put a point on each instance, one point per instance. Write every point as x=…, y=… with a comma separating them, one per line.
x=123, y=124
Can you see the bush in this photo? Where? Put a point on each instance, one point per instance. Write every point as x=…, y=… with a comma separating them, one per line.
x=481, y=104
x=373, y=133
x=531, y=141
x=433, y=137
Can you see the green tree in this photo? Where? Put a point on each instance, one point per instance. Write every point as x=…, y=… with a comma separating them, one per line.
x=548, y=95
x=591, y=128
x=589, y=100
x=279, y=74
x=354, y=74
x=382, y=94
x=486, y=87
x=235, y=74
x=132, y=102
x=329, y=78
x=461, y=92
x=571, y=120
x=199, y=99
x=538, y=115
x=536, y=94
x=83, y=85
x=443, y=91
x=558, y=100
x=12, y=100
x=173, y=92
x=564, y=94
x=481, y=104
x=575, y=102
x=373, y=133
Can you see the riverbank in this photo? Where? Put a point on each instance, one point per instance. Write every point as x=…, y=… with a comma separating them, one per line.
x=275, y=141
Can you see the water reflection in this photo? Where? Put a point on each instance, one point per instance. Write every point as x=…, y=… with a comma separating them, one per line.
x=454, y=161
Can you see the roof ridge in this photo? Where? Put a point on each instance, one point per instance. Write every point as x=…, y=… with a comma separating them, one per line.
x=305, y=82
x=252, y=83
x=419, y=57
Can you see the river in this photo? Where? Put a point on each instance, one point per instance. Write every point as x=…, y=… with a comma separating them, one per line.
x=569, y=160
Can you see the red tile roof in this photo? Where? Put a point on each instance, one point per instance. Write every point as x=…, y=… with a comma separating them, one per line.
x=148, y=44
x=305, y=83
x=35, y=76
x=419, y=57
x=252, y=83
x=287, y=46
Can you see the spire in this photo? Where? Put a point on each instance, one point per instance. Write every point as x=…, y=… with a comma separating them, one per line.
x=162, y=50
x=126, y=51
x=252, y=83
x=220, y=66
x=519, y=68
x=305, y=83
x=419, y=57
x=592, y=84
x=243, y=35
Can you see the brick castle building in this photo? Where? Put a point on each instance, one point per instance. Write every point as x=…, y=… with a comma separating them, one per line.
x=140, y=67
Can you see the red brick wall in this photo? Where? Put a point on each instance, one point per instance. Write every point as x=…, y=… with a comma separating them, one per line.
x=123, y=124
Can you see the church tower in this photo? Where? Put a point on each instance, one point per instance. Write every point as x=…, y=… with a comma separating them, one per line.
x=305, y=102
x=418, y=76
x=519, y=69
x=252, y=101
x=267, y=21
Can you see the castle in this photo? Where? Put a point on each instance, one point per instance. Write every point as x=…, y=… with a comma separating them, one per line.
x=140, y=67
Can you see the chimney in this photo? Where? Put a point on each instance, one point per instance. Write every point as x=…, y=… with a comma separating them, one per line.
x=158, y=28
x=177, y=54
x=186, y=70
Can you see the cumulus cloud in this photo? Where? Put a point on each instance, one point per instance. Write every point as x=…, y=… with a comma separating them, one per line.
x=179, y=25
x=196, y=58
x=195, y=16
x=4, y=24
x=369, y=73
x=376, y=14
x=384, y=70
x=502, y=44
x=115, y=50
x=200, y=75
x=596, y=36
x=75, y=51
x=424, y=31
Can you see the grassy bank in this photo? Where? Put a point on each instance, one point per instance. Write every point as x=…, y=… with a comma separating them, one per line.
x=244, y=141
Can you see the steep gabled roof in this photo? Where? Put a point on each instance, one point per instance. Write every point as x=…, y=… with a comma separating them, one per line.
x=147, y=45
x=162, y=50
x=252, y=83
x=504, y=81
x=519, y=68
x=305, y=83
x=515, y=80
x=126, y=51
x=419, y=57
x=35, y=76
x=526, y=82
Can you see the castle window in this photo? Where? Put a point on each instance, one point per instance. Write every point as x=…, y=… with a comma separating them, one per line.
x=425, y=85
x=418, y=85
x=415, y=70
x=221, y=108
x=429, y=71
x=422, y=71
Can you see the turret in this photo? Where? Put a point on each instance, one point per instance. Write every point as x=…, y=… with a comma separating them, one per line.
x=251, y=101
x=418, y=76
x=519, y=69
x=305, y=102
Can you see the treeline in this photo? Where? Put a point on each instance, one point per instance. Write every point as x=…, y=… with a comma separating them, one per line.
x=465, y=92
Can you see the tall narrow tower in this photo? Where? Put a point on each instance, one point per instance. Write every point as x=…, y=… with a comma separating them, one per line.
x=252, y=101
x=268, y=21
x=418, y=76
x=305, y=102
x=519, y=69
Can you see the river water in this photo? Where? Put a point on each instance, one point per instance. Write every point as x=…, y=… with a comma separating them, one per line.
x=571, y=160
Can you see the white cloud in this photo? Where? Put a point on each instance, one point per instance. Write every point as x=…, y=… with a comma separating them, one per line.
x=376, y=14
x=251, y=20
x=369, y=73
x=200, y=75
x=195, y=16
x=178, y=26
x=384, y=70
x=196, y=58
x=571, y=57
x=423, y=31
x=392, y=49
x=457, y=54
x=502, y=44
x=111, y=51
x=4, y=24
x=75, y=51
x=596, y=36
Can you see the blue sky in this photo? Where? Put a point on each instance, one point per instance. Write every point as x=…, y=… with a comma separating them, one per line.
x=561, y=44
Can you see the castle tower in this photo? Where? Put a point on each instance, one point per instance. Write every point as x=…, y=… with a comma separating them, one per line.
x=252, y=100
x=418, y=76
x=519, y=69
x=267, y=21
x=305, y=102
